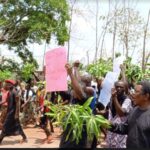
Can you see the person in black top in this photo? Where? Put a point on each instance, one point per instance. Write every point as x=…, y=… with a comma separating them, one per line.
x=81, y=93
x=65, y=96
x=12, y=124
x=137, y=126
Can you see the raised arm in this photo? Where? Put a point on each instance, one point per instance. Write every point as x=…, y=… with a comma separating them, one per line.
x=76, y=71
x=75, y=83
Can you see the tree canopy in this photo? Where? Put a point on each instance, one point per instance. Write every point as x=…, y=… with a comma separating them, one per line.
x=32, y=21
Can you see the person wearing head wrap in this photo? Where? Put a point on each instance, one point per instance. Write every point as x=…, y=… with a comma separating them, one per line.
x=11, y=124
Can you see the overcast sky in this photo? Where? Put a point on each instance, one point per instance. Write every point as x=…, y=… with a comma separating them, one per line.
x=83, y=31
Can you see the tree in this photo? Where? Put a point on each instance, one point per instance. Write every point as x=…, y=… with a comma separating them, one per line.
x=129, y=28
x=8, y=69
x=9, y=65
x=144, y=43
x=133, y=72
x=99, y=68
x=27, y=71
x=32, y=21
x=5, y=75
x=70, y=25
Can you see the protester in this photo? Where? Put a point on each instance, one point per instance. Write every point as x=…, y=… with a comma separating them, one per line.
x=81, y=94
x=3, y=104
x=1, y=87
x=137, y=126
x=65, y=96
x=99, y=85
x=45, y=121
x=28, y=113
x=119, y=107
x=11, y=124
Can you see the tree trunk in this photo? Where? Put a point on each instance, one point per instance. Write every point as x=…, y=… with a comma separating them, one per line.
x=147, y=58
x=105, y=29
x=114, y=34
x=96, y=45
x=88, y=61
x=70, y=29
x=114, y=38
x=144, y=43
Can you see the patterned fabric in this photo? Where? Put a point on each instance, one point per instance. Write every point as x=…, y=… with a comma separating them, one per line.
x=3, y=114
x=114, y=140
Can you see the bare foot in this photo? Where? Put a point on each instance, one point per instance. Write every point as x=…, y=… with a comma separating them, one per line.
x=58, y=136
x=49, y=140
x=44, y=141
x=23, y=141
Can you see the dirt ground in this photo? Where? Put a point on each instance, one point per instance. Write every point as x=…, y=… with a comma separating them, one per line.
x=35, y=137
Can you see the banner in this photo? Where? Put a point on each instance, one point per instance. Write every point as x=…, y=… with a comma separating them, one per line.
x=107, y=85
x=56, y=74
x=116, y=64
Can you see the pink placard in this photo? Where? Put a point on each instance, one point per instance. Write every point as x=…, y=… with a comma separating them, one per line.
x=56, y=75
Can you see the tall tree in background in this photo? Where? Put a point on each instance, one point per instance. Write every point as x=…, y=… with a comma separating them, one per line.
x=72, y=3
x=144, y=43
x=32, y=21
x=129, y=28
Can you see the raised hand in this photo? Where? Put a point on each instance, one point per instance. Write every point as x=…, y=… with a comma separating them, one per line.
x=68, y=68
x=113, y=92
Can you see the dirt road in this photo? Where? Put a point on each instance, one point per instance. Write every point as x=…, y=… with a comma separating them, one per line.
x=35, y=137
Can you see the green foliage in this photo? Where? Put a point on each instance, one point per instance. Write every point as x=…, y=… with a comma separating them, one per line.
x=32, y=21
x=25, y=55
x=100, y=68
x=133, y=72
x=27, y=71
x=9, y=65
x=5, y=75
x=147, y=74
x=75, y=116
x=117, y=55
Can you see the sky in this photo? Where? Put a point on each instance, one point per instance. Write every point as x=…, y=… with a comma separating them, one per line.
x=83, y=33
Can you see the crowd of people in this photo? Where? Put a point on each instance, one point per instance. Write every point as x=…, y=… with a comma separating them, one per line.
x=128, y=110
